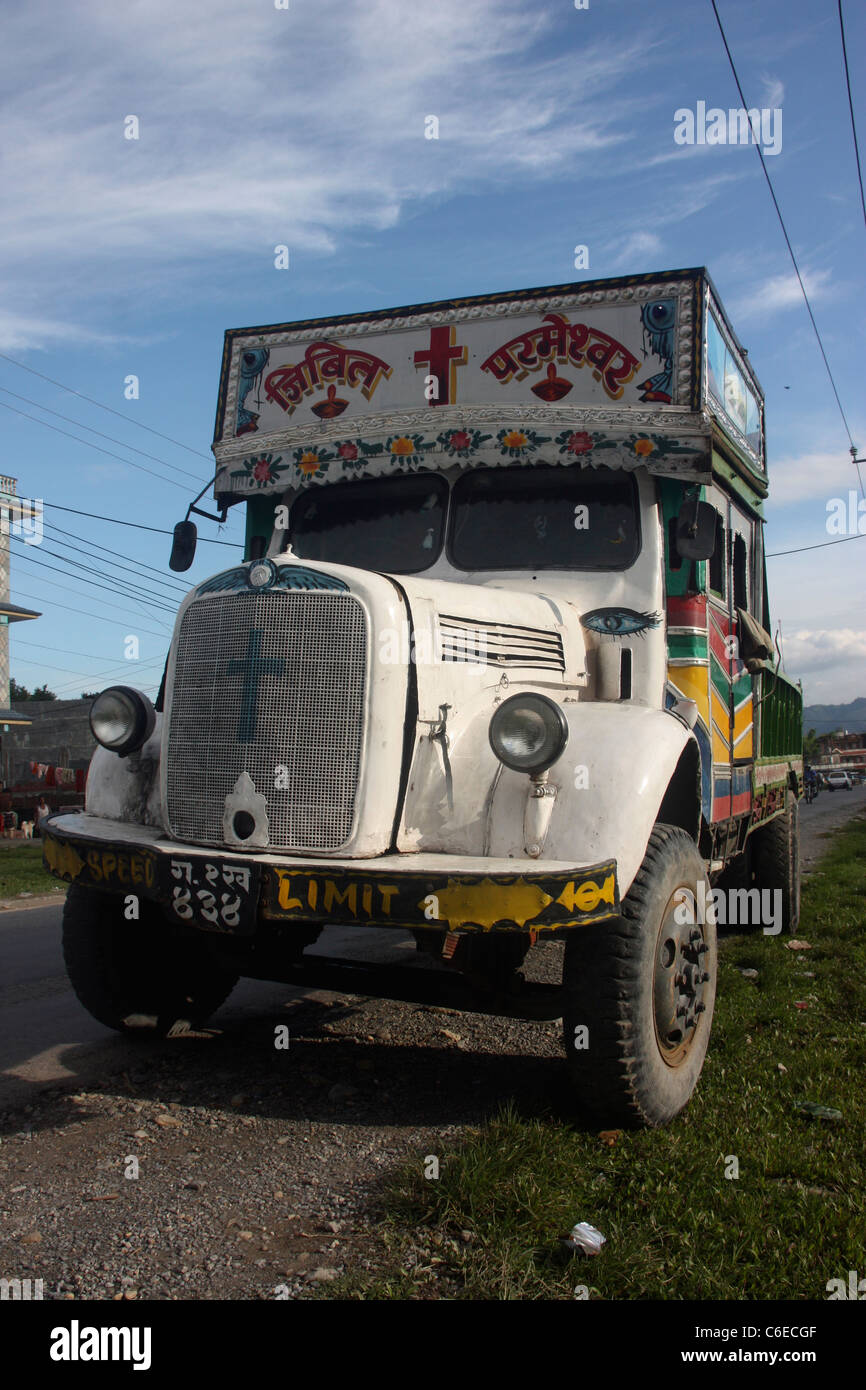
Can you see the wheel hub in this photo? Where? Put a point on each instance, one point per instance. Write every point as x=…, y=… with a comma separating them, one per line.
x=680, y=978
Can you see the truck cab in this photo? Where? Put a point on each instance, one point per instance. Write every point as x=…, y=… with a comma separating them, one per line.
x=495, y=669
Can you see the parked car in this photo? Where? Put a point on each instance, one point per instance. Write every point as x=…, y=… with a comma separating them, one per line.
x=835, y=780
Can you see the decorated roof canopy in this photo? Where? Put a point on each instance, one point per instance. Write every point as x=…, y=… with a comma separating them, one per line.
x=619, y=373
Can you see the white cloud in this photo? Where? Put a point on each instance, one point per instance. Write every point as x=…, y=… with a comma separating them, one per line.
x=814, y=477
x=638, y=248
x=816, y=595
x=774, y=91
x=781, y=292
x=815, y=649
x=22, y=330
x=260, y=127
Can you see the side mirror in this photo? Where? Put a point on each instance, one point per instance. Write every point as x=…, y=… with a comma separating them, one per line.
x=696, y=529
x=183, y=545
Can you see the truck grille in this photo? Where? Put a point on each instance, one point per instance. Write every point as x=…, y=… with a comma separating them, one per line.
x=274, y=685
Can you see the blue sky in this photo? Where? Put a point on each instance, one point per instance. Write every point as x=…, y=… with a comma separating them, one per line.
x=305, y=127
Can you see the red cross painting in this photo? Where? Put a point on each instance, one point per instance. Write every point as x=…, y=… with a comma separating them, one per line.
x=443, y=358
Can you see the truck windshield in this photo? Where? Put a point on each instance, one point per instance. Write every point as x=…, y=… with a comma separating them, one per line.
x=392, y=524
x=502, y=518
x=544, y=518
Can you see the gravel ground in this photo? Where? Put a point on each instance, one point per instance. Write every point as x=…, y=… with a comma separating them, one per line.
x=259, y=1170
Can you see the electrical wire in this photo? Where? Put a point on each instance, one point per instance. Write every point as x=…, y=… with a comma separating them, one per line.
x=87, y=675
x=851, y=109
x=158, y=661
x=126, y=418
x=110, y=437
x=26, y=559
x=98, y=447
x=138, y=526
x=115, y=521
x=123, y=587
x=784, y=229
x=174, y=586
x=66, y=651
x=821, y=546
x=85, y=612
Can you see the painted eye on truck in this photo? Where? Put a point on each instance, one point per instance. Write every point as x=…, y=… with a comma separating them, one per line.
x=619, y=622
x=660, y=315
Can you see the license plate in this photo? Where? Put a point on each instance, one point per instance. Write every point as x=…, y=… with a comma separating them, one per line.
x=216, y=895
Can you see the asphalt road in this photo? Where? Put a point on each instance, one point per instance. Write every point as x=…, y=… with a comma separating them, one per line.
x=47, y=1037
x=826, y=813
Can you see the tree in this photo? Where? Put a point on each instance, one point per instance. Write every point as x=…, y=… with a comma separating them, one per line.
x=811, y=746
x=89, y=694
x=20, y=692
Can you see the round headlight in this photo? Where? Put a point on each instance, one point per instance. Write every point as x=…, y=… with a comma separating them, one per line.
x=122, y=719
x=528, y=732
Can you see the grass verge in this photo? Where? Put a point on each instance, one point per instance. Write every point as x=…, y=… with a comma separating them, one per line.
x=678, y=1223
x=21, y=870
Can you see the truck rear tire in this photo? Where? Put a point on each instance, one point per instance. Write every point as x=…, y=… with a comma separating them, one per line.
x=775, y=856
x=643, y=987
x=121, y=969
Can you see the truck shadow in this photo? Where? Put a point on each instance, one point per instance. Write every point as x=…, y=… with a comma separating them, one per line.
x=347, y=1063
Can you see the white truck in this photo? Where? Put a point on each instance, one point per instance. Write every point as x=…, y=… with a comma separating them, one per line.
x=495, y=669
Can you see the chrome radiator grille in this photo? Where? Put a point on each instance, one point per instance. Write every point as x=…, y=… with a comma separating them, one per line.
x=272, y=684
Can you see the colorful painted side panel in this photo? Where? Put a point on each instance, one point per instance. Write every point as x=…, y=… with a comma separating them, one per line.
x=701, y=669
x=732, y=709
x=772, y=779
x=688, y=677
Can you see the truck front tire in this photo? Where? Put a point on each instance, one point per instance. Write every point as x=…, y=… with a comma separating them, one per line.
x=148, y=968
x=640, y=991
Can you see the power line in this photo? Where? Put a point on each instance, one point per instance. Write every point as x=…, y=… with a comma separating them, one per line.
x=110, y=437
x=851, y=109
x=66, y=651
x=128, y=419
x=784, y=229
x=98, y=447
x=64, y=691
x=123, y=587
x=158, y=661
x=137, y=525
x=821, y=546
x=115, y=521
x=85, y=612
x=26, y=559
x=94, y=545
x=170, y=584
x=87, y=675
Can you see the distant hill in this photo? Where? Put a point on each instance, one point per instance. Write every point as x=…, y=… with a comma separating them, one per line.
x=826, y=719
